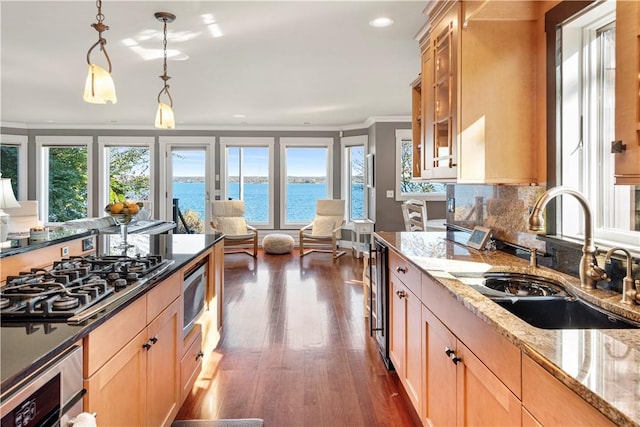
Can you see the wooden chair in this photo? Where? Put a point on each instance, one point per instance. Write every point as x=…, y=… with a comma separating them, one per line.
x=323, y=233
x=227, y=217
x=414, y=213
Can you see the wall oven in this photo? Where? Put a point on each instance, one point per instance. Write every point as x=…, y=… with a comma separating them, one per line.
x=379, y=299
x=194, y=289
x=52, y=396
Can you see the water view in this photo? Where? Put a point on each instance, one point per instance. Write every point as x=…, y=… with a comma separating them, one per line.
x=300, y=207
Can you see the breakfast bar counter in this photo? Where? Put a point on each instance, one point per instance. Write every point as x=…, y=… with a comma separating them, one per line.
x=599, y=365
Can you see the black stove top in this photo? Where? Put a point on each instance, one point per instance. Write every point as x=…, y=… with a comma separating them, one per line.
x=75, y=287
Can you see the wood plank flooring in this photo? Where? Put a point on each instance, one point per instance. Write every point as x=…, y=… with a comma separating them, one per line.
x=295, y=349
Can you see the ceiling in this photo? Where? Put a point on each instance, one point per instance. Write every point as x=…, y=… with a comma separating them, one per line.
x=279, y=64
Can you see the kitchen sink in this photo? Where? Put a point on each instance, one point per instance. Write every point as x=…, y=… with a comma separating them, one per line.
x=523, y=285
x=563, y=313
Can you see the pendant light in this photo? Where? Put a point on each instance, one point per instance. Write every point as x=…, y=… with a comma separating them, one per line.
x=99, y=87
x=164, y=116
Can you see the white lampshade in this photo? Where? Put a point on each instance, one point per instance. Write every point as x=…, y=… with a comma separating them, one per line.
x=99, y=87
x=7, y=200
x=164, y=117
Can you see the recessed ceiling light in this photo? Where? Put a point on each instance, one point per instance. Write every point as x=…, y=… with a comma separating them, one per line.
x=239, y=116
x=381, y=22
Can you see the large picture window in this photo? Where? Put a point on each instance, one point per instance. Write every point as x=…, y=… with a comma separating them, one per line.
x=247, y=168
x=13, y=163
x=63, y=177
x=587, y=128
x=306, y=165
x=126, y=169
x=353, y=176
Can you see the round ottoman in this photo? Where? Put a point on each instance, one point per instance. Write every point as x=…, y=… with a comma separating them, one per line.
x=277, y=244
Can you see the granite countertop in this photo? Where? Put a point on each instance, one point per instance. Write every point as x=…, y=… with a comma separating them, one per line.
x=601, y=365
x=27, y=346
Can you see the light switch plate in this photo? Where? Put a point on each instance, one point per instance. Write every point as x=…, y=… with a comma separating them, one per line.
x=389, y=194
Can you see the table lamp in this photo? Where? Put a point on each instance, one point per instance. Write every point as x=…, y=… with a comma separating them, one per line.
x=7, y=200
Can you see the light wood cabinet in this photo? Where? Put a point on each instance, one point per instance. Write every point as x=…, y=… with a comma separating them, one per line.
x=461, y=390
x=405, y=341
x=131, y=364
x=191, y=361
x=551, y=403
x=478, y=92
x=416, y=127
x=627, y=163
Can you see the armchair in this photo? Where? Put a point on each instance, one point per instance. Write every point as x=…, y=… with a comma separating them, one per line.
x=323, y=233
x=227, y=217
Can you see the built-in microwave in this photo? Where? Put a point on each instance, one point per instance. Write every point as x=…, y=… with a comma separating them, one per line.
x=194, y=289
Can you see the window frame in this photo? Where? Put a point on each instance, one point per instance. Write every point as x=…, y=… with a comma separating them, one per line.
x=250, y=142
x=21, y=142
x=43, y=143
x=407, y=135
x=347, y=143
x=105, y=142
x=302, y=142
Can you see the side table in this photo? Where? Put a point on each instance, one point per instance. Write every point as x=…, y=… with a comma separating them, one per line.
x=361, y=228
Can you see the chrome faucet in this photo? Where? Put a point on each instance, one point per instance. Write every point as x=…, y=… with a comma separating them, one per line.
x=590, y=273
x=630, y=295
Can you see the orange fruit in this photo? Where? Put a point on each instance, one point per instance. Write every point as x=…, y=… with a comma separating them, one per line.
x=133, y=208
x=116, y=208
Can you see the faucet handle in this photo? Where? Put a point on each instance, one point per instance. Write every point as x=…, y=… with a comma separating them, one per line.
x=597, y=273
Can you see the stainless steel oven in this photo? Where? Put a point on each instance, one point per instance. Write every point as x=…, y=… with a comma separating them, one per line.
x=52, y=396
x=194, y=289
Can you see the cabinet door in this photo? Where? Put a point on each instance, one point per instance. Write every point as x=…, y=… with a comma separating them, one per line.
x=398, y=321
x=163, y=374
x=117, y=391
x=440, y=373
x=483, y=400
x=413, y=348
x=627, y=101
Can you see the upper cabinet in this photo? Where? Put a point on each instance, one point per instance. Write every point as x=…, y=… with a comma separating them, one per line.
x=627, y=170
x=478, y=93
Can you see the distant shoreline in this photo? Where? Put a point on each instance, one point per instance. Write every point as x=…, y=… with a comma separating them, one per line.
x=256, y=179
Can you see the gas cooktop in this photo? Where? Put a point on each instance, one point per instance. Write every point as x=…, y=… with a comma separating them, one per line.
x=76, y=288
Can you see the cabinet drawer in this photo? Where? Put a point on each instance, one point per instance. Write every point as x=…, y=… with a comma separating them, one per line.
x=405, y=271
x=553, y=403
x=163, y=294
x=496, y=352
x=191, y=362
x=103, y=343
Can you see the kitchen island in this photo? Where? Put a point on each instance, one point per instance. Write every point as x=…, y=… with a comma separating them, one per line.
x=545, y=376
x=27, y=346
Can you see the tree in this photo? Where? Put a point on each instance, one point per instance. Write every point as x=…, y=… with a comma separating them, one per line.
x=67, y=183
x=406, y=176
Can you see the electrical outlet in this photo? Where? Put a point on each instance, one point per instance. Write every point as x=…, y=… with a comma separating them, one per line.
x=389, y=194
x=64, y=251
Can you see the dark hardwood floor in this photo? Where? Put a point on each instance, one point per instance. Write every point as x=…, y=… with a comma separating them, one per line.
x=295, y=349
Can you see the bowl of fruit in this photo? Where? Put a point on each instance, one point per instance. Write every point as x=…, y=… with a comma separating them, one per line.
x=123, y=212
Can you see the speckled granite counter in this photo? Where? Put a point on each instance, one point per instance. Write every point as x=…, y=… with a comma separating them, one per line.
x=601, y=365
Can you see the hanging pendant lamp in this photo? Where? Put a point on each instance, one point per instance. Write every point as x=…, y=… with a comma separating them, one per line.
x=164, y=116
x=99, y=87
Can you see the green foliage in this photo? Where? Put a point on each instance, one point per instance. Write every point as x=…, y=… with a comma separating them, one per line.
x=9, y=165
x=406, y=185
x=67, y=183
x=129, y=177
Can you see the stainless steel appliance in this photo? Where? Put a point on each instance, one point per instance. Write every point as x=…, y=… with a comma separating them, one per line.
x=194, y=288
x=51, y=396
x=379, y=299
x=76, y=288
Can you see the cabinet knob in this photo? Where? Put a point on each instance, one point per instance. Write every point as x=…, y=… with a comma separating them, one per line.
x=452, y=355
x=147, y=345
x=401, y=294
x=153, y=339
x=401, y=269
x=200, y=355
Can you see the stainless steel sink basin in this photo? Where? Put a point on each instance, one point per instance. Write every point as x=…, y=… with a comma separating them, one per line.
x=523, y=285
x=563, y=313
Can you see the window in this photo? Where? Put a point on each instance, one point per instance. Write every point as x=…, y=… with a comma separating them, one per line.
x=13, y=163
x=353, y=176
x=406, y=188
x=63, y=176
x=588, y=124
x=247, y=168
x=126, y=170
x=305, y=177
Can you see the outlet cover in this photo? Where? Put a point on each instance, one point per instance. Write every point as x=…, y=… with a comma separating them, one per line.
x=389, y=194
